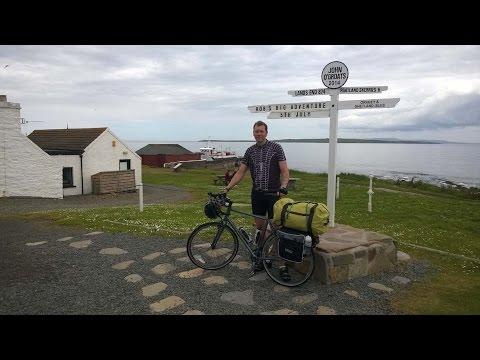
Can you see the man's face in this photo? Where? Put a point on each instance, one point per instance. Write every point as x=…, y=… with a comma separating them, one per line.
x=260, y=133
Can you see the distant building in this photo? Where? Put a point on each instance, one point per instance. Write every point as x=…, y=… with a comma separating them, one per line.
x=25, y=169
x=158, y=154
x=81, y=153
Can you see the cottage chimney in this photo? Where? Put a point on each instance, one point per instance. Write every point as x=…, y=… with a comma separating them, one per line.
x=9, y=115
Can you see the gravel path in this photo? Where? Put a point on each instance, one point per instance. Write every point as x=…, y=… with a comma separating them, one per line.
x=152, y=194
x=48, y=269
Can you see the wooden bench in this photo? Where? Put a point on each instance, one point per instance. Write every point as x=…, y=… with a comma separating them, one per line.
x=292, y=183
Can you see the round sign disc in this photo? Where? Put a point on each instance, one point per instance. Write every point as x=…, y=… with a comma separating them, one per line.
x=335, y=75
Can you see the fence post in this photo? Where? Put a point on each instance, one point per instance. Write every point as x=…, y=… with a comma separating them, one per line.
x=370, y=193
x=140, y=196
x=338, y=187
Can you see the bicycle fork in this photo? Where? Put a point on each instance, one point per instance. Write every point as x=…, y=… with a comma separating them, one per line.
x=219, y=233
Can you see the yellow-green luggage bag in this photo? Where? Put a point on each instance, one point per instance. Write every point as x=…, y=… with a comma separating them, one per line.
x=308, y=217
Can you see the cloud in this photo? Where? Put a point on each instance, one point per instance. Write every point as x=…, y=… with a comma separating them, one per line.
x=442, y=113
x=201, y=88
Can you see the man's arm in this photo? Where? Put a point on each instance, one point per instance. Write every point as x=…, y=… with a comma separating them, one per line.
x=284, y=174
x=237, y=177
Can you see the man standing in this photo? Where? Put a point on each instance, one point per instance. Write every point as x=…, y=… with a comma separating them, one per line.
x=268, y=169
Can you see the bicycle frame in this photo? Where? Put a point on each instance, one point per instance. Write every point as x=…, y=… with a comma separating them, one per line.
x=225, y=220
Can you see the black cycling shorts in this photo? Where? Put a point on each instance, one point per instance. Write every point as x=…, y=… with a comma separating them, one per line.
x=262, y=203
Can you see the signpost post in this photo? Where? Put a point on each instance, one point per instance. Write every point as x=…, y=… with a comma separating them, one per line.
x=334, y=76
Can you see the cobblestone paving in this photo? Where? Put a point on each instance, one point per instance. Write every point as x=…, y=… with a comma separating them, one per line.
x=59, y=272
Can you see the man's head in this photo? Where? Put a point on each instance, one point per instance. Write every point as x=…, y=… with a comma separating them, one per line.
x=260, y=132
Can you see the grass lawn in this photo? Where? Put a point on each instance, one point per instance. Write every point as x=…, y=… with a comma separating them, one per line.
x=412, y=214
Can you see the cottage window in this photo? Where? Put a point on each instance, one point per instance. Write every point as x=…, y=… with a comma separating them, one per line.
x=125, y=164
x=67, y=177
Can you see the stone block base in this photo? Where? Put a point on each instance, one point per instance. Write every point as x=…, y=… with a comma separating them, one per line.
x=345, y=253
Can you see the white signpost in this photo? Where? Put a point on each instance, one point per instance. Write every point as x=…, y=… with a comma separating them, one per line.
x=368, y=104
x=343, y=90
x=312, y=106
x=334, y=76
x=298, y=114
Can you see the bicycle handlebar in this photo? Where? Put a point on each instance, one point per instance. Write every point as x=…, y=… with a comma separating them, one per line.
x=220, y=198
x=219, y=195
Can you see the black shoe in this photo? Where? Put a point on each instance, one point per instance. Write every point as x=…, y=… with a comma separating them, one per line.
x=258, y=266
x=284, y=275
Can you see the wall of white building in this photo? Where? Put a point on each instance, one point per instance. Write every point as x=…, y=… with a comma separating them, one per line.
x=104, y=154
x=72, y=161
x=25, y=169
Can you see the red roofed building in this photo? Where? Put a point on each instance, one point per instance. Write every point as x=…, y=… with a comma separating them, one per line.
x=156, y=155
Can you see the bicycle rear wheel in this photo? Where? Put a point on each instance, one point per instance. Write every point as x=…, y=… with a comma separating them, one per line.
x=212, y=246
x=297, y=272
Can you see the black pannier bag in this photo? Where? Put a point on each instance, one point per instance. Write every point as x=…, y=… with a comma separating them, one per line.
x=290, y=244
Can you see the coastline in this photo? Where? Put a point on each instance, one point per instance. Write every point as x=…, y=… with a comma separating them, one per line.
x=349, y=141
x=442, y=165
x=405, y=177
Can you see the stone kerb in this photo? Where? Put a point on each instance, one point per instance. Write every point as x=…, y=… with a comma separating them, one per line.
x=345, y=253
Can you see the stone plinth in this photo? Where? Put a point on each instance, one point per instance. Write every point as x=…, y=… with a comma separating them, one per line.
x=345, y=253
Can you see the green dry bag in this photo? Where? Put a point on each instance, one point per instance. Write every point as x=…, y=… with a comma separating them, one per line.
x=309, y=217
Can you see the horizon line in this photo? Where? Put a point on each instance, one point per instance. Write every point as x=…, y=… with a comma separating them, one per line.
x=253, y=140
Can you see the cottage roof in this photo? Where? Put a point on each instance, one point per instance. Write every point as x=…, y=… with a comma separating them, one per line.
x=163, y=149
x=65, y=141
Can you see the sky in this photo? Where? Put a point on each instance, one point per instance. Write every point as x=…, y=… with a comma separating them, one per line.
x=182, y=93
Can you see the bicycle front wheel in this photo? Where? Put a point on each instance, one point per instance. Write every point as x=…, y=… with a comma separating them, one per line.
x=282, y=271
x=212, y=246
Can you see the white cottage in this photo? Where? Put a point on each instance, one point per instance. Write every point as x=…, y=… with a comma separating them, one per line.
x=25, y=169
x=81, y=153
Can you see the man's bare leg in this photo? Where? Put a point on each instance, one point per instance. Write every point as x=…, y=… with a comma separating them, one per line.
x=261, y=225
